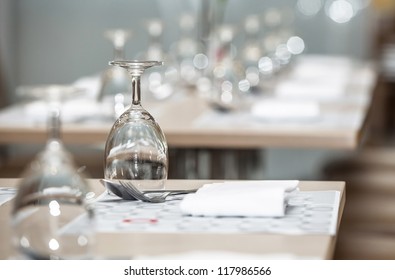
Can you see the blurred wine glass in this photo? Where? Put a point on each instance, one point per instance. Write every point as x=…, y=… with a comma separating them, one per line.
x=186, y=52
x=276, y=56
x=53, y=192
x=115, y=84
x=158, y=83
x=227, y=73
x=251, y=51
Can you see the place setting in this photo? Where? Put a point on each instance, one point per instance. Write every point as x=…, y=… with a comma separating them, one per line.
x=135, y=196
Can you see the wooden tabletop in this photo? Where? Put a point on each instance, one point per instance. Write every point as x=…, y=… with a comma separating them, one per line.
x=189, y=122
x=112, y=245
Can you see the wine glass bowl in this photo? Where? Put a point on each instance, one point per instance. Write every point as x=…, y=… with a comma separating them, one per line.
x=52, y=193
x=136, y=148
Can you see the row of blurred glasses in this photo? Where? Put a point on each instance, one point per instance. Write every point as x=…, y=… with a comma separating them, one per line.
x=220, y=70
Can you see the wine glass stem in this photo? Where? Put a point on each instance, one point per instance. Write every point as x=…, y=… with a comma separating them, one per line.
x=54, y=124
x=118, y=53
x=136, y=92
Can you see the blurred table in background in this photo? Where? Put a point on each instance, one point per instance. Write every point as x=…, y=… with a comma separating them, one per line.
x=320, y=102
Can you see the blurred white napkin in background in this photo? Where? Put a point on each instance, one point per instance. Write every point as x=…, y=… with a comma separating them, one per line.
x=317, y=77
x=280, y=109
x=240, y=198
x=322, y=68
x=91, y=85
x=71, y=110
x=310, y=90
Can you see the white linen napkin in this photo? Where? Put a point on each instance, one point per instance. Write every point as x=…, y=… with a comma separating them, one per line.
x=322, y=68
x=71, y=110
x=281, y=109
x=240, y=198
x=311, y=90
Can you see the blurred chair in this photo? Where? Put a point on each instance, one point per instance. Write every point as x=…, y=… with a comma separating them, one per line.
x=367, y=230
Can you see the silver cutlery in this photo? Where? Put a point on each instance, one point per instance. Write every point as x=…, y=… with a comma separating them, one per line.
x=127, y=191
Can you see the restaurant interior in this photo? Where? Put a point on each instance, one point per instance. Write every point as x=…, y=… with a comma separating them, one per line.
x=248, y=90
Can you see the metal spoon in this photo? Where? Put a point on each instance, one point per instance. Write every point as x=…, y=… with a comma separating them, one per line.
x=221, y=106
x=117, y=189
x=136, y=193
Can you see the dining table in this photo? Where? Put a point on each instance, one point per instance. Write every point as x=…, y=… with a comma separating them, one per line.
x=318, y=102
x=308, y=230
x=303, y=110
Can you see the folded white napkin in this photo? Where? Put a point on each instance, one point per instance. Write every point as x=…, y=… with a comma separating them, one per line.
x=322, y=68
x=281, y=109
x=91, y=85
x=295, y=89
x=240, y=198
x=71, y=110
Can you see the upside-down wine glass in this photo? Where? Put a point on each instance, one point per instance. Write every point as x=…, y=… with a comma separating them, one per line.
x=185, y=51
x=115, y=81
x=51, y=194
x=159, y=84
x=136, y=148
x=229, y=84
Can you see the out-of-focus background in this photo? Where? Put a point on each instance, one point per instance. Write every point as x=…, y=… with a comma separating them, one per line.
x=58, y=41
x=61, y=41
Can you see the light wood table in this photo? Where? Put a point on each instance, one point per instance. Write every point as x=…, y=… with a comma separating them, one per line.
x=112, y=245
x=188, y=120
x=180, y=121
x=230, y=142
